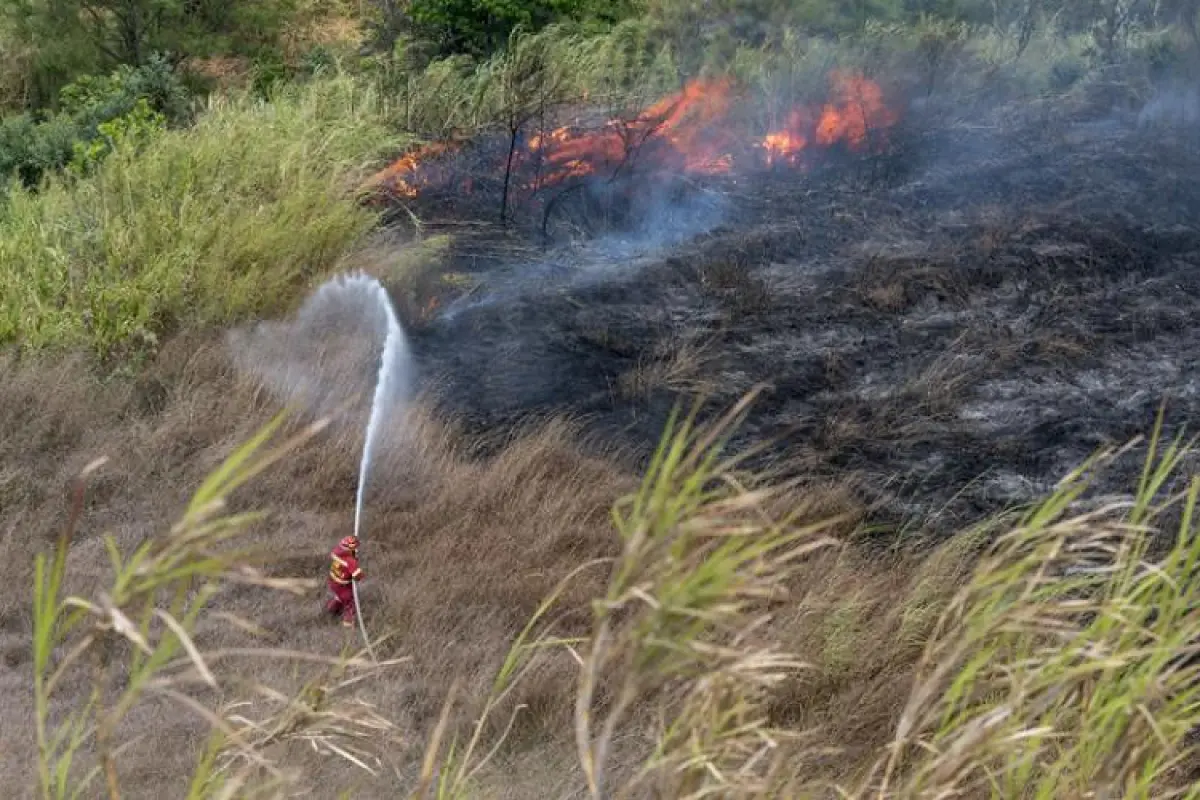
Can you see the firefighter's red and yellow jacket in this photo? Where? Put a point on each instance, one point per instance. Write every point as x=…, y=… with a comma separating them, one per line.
x=344, y=566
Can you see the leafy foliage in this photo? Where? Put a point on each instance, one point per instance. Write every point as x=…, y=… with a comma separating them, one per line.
x=482, y=27
x=104, y=97
x=93, y=109
x=132, y=130
x=29, y=149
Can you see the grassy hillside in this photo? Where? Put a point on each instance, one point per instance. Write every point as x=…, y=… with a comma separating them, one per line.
x=121, y=245
x=234, y=216
x=549, y=617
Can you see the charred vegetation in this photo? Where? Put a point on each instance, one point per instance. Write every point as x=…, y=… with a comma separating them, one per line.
x=955, y=318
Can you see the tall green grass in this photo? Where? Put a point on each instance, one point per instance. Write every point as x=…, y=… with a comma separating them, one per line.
x=1068, y=666
x=233, y=217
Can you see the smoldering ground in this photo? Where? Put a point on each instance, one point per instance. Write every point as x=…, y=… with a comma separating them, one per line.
x=956, y=323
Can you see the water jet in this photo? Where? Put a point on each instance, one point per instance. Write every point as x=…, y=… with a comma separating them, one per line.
x=346, y=333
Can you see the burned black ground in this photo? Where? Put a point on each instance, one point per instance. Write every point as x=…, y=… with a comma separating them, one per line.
x=955, y=334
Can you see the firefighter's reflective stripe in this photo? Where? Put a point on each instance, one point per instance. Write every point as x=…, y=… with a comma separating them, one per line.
x=337, y=570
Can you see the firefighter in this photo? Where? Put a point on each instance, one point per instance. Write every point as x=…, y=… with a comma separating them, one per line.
x=343, y=569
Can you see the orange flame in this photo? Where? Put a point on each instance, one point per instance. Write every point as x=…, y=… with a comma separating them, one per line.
x=861, y=111
x=401, y=176
x=786, y=145
x=689, y=132
x=681, y=129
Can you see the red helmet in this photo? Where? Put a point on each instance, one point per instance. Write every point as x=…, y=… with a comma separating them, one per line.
x=349, y=543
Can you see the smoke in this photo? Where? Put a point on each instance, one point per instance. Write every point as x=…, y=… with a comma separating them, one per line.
x=1176, y=105
x=662, y=220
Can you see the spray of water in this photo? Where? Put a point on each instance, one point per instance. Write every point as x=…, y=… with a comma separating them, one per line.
x=345, y=341
x=395, y=346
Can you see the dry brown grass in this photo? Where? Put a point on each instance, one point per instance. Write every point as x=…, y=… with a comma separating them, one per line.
x=459, y=552
x=332, y=25
x=896, y=284
x=226, y=73
x=677, y=365
x=860, y=622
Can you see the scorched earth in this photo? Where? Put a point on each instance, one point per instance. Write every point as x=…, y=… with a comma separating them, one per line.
x=953, y=315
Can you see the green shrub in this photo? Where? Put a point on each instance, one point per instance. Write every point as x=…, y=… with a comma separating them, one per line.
x=482, y=27
x=270, y=72
x=98, y=98
x=29, y=149
x=91, y=110
x=205, y=225
x=134, y=129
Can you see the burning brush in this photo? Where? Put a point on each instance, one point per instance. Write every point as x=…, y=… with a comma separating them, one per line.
x=695, y=132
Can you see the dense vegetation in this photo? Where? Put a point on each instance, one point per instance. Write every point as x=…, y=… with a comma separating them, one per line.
x=180, y=95
x=172, y=166
x=270, y=126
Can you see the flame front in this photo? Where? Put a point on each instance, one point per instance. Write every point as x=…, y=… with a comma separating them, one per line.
x=860, y=110
x=679, y=132
x=786, y=145
x=690, y=132
x=407, y=175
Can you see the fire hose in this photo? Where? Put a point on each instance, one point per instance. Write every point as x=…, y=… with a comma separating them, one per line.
x=358, y=612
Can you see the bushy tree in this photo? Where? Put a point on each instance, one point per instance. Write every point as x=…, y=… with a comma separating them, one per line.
x=97, y=98
x=70, y=38
x=93, y=112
